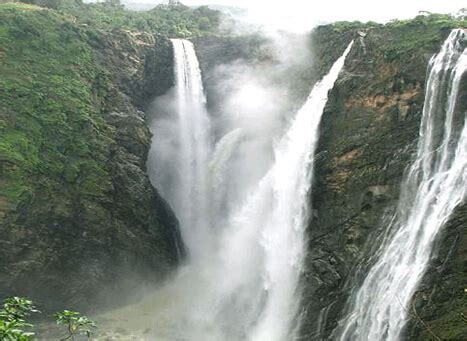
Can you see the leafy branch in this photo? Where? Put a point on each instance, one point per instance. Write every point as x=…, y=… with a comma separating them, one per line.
x=75, y=323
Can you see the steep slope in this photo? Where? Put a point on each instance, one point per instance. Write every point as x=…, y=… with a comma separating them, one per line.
x=368, y=135
x=77, y=212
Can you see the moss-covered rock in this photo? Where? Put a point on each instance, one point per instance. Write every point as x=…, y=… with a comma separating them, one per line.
x=78, y=217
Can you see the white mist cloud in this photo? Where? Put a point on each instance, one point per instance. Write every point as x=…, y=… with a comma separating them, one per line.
x=304, y=14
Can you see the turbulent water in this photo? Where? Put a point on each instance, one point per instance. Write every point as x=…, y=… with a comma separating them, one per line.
x=434, y=186
x=245, y=257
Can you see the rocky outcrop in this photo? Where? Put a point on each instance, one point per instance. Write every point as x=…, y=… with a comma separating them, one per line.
x=140, y=63
x=80, y=220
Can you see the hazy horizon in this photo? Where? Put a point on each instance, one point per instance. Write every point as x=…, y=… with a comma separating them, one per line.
x=303, y=15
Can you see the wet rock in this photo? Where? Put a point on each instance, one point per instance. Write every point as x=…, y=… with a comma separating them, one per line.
x=368, y=133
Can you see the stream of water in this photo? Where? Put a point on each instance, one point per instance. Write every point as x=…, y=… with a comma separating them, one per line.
x=434, y=186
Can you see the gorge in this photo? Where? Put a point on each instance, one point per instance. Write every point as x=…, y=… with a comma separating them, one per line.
x=235, y=186
x=252, y=279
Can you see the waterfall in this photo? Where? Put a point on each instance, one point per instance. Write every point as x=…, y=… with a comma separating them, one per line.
x=283, y=227
x=182, y=151
x=434, y=186
x=245, y=284
x=256, y=294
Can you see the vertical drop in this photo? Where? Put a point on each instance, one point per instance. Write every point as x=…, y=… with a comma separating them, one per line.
x=435, y=184
x=181, y=150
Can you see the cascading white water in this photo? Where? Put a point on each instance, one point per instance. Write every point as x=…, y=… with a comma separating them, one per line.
x=435, y=185
x=255, y=293
x=243, y=281
x=283, y=228
x=183, y=149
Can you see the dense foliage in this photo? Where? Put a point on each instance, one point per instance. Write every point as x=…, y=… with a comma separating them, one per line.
x=49, y=101
x=175, y=20
x=426, y=19
x=13, y=315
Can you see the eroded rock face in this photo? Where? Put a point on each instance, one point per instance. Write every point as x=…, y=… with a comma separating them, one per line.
x=368, y=135
x=140, y=62
x=91, y=228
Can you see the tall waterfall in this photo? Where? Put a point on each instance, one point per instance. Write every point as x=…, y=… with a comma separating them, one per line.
x=279, y=210
x=246, y=285
x=183, y=149
x=435, y=185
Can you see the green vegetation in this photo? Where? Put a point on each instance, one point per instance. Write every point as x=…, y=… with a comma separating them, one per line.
x=75, y=323
x=19, y=5
x=427, y=19
x=49, y=102
x=13, y=324
x=174, y=20
x=408, y=35
x=14, y=327
x=399, y=42
x=422, y=31
x=13, y=331
x=72, y=151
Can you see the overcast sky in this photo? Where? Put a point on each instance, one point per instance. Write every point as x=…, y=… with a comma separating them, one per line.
x=303, y=14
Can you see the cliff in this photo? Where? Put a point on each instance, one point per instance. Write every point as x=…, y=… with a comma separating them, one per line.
x=79, y=219
x=368, y=136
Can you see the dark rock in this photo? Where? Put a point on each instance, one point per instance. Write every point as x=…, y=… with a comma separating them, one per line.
x=368, y=136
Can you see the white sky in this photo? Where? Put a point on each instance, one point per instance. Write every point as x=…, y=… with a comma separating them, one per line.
x=303, y=14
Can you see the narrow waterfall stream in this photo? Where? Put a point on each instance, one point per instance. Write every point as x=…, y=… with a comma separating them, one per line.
x=243, y=265
x=434, y=186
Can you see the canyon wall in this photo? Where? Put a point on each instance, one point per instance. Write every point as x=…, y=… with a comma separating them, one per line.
x=79, y=219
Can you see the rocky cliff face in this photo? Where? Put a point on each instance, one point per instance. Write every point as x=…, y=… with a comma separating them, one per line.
x=368, y=135
x=79, y=219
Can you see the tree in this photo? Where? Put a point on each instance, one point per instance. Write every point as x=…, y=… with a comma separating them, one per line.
x=75, y=323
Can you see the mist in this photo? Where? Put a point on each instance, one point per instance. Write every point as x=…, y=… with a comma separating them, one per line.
x=300, y=15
